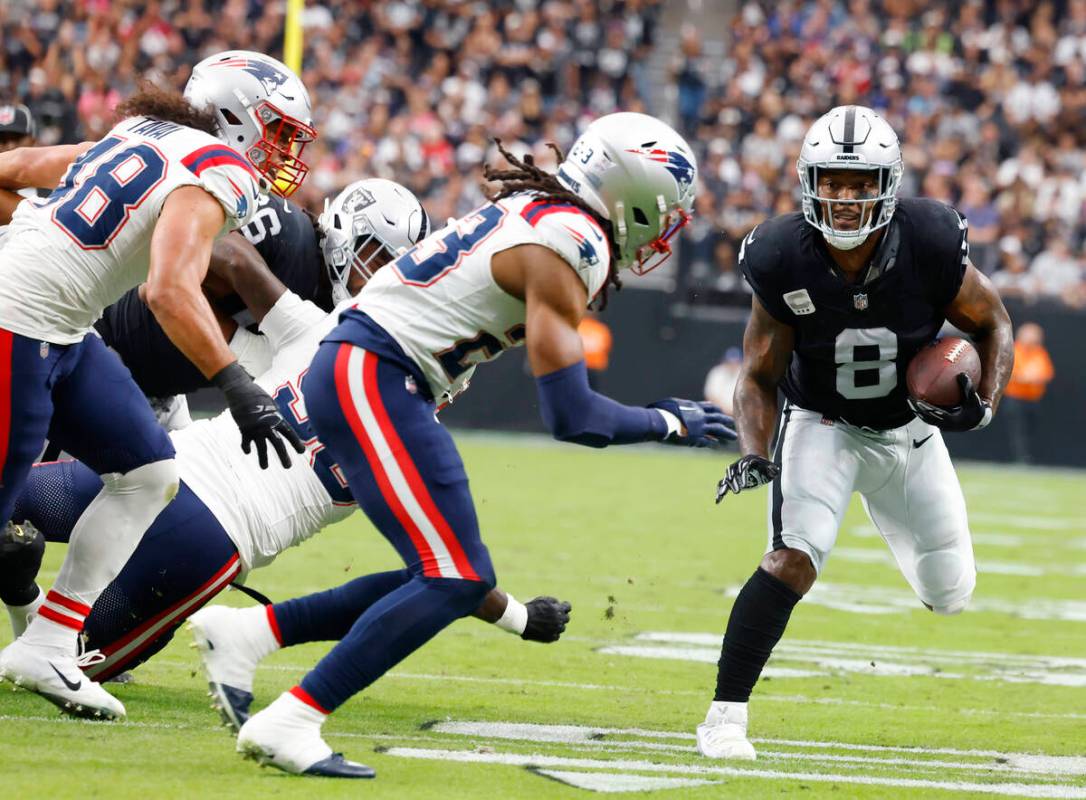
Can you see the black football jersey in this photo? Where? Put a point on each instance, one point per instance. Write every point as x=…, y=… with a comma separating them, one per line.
x=853, y=342
x=284, y=236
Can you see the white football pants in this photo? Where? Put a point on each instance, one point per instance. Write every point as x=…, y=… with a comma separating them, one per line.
x=909, y=490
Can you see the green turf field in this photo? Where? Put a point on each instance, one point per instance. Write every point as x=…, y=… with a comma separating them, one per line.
x=869, y=695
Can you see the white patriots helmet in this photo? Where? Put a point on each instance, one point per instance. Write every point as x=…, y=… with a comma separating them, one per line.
x=262, y=109
x=640, y=174
x=854, y=138
x=371, y=210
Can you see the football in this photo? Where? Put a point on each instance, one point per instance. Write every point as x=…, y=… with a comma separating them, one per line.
x=933, y=373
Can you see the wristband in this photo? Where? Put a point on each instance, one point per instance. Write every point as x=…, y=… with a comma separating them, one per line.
x=515, y=617
x=674, y=426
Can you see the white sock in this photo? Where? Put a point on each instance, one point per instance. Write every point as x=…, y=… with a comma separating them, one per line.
x=295, y=723
x=20, y=614
x=111, y=527
x=257, y=631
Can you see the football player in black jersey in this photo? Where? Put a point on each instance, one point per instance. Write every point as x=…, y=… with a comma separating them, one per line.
x=845, y=294
x=324, y=260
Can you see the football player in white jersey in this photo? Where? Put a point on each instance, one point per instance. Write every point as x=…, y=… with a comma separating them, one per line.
x=521, y=269
x=145, y=203
x=231, y=517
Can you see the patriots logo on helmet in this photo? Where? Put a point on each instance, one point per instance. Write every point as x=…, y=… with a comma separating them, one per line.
x=674, y=162
x=270, y=77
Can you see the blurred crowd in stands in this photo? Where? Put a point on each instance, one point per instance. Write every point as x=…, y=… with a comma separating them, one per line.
x=989, y=97
x=411, y=90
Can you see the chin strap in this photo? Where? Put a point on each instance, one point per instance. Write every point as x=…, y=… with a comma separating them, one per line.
x=845, y=242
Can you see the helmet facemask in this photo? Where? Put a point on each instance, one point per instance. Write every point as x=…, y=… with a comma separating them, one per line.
x=342, y=257
x=277, y=154
x=651, y=255
x=875, y=209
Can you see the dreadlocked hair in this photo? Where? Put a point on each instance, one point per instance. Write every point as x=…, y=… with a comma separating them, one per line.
x=525, y=176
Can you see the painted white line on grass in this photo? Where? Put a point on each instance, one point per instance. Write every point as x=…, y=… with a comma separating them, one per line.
x=801, y=699
x=615, y=782
x=1052, y=523
x=791, y=658
x=535, y=733
x=862, y=599
x=544, y=761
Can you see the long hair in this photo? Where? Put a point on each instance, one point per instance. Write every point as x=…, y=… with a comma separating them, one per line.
x=161, y=104
x=525, y=176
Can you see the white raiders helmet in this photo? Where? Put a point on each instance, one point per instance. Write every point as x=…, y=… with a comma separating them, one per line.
x=640, y=174
x=371, y=210
x=263, y=112
x=853, y=138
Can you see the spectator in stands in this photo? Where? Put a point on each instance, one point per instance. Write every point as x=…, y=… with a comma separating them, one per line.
x=721, y=380
x=1032, y=373
x=596, y=340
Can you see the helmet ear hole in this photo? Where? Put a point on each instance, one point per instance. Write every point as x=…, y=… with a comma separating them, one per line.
x=230, y=116
x=639, y=216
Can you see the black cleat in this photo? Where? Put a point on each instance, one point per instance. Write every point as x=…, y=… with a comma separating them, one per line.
x=231, y=703
x=336, y=766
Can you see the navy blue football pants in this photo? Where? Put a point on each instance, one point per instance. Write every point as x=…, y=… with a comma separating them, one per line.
x=184, y=560
x=404, y=471
x=79, y=396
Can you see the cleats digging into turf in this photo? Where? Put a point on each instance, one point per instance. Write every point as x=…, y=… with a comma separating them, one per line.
x=287, y=735
x=230, y=656
x=55, y=675
x=724, y=732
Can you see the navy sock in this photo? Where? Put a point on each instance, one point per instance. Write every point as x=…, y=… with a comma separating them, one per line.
x=393, y=628
x=328, y=616
x=757, y=622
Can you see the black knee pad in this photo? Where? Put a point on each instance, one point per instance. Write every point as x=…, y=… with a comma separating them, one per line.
x=22, y=548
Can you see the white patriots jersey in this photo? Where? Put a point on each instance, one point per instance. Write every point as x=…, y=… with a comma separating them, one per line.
x=265, y=511
x=69, y=255
x=439, y=300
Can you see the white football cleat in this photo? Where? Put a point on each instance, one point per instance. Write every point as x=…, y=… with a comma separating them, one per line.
x=287, y=735
x=231, y=643
x=724, y=732
x=55, y=674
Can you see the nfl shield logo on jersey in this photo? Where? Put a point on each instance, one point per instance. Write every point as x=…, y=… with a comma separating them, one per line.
x=859, y=301
x=43, y=350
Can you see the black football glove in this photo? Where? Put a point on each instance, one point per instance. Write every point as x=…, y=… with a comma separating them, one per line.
x=257, y=416
x=746, y=473
x=973, y=414
x=705, y=424
x=547, y=619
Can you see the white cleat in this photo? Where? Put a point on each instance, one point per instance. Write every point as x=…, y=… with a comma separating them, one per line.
x=724, y=732
x=55, y=674
x=287, y=735
x=230, y=650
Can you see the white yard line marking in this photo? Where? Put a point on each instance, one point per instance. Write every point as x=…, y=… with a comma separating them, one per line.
x=613, y=782
x=860, y=599
x=544, y=761
x=796, y=658
x=1052, y=523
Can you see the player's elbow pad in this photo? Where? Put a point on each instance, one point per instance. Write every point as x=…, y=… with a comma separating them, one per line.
x=574, y=413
